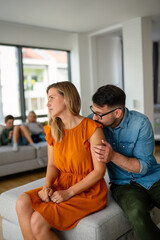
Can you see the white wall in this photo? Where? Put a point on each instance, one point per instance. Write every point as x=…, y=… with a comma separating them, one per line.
x=85, y=82
x=106, y=62
x=21, y=34
x=11, y=33
x=138, y=77
x=109, y=60
x=106, y=58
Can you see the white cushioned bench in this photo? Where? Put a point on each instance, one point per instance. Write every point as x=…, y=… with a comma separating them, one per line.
x=107, y=224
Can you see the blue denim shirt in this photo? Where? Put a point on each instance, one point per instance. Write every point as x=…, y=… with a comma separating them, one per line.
x=133, y=138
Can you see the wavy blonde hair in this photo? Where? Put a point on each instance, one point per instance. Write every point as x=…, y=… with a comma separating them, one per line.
x=73, y=103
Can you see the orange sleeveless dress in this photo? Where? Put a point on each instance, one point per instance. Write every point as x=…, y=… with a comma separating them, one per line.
x=73, y=159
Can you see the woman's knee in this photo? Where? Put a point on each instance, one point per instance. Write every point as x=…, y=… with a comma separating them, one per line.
x=23, y=203
x=16, y=127
x=23, y=128
x=38, y=225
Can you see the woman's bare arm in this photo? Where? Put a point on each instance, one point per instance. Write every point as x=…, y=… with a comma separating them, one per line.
x=52, y=173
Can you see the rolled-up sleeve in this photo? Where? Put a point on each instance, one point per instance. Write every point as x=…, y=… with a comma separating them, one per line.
x=143, y=167
x=144, y=147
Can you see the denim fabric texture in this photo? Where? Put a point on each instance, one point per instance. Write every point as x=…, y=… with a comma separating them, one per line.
x=133, y=138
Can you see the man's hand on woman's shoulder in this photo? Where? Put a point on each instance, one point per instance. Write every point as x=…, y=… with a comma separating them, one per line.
x=103, y=153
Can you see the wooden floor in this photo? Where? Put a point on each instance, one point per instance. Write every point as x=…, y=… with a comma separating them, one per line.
x=16, y=180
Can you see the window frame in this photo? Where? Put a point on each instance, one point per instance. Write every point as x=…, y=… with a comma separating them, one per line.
x=23, y=116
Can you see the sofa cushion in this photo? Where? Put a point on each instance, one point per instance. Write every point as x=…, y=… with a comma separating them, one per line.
x=7, y=155
x=21, y=166
x=42, y=150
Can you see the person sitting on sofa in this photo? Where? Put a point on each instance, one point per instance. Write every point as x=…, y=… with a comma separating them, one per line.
x=15, y=135
x=74, y=185
x=32, y=130
x=22, y=137
x=128, y=151
x=35, y=128
x=7, y=132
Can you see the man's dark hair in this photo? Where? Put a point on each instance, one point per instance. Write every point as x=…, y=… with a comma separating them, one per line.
x=8, y=117
x=109, y=95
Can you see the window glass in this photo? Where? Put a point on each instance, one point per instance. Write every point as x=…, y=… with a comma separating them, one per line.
x=9, y=82
x=42, y=67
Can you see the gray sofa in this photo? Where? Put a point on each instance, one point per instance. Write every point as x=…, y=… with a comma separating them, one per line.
x=107, y=224
x=27, y=158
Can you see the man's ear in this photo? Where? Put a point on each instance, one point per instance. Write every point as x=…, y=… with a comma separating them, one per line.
x=118, y=113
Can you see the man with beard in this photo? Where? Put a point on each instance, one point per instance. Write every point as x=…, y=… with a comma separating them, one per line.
x=128, y=152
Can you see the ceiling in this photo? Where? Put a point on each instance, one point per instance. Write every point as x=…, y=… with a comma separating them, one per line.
x=77, y=15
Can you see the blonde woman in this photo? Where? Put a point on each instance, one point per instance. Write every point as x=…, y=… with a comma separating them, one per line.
x=74, y=186
x=35, y=128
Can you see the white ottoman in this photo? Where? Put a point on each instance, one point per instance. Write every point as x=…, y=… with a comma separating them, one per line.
x=107, y=224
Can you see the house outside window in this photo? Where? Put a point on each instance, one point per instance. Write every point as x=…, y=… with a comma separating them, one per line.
x=25, y=74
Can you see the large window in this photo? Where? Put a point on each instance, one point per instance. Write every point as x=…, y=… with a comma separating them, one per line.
x=25, y=74
x=9, y=82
